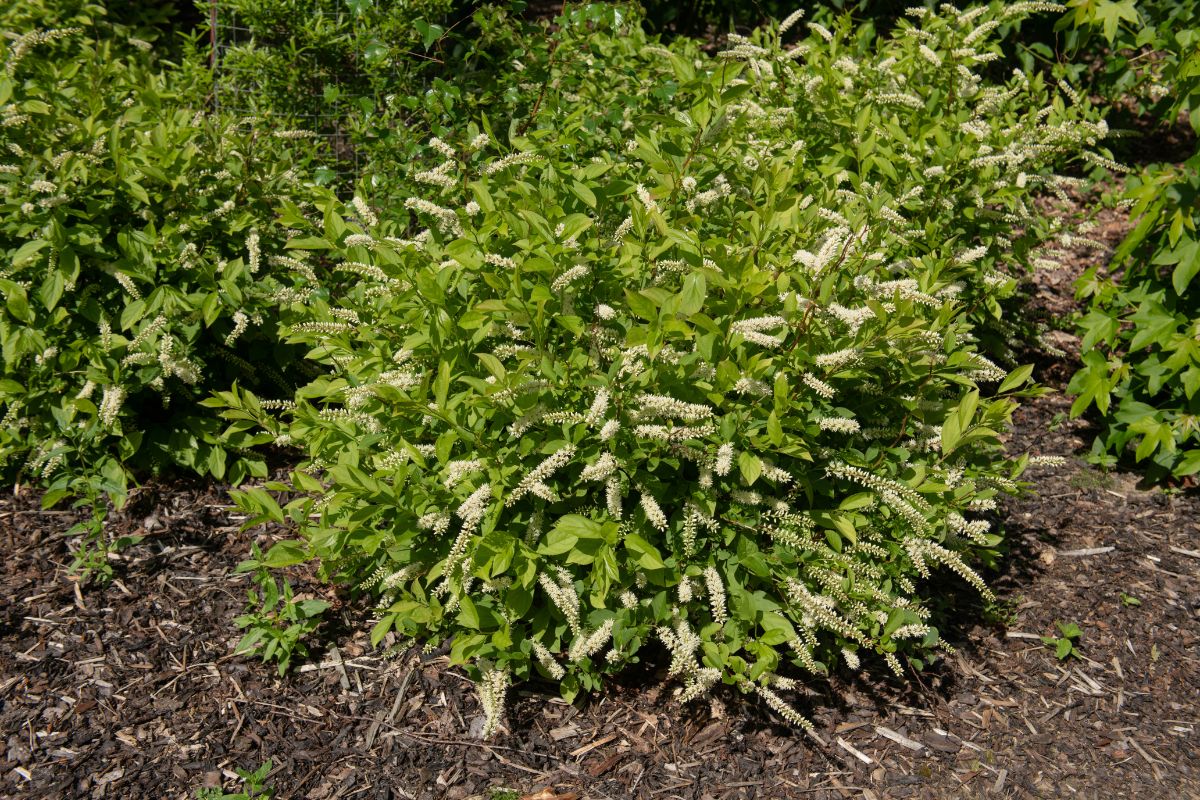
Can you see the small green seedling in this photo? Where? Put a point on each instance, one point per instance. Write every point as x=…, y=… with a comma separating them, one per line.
x=275, y=622
x=1129, y=601
x=1066, y=644
x=253, y=786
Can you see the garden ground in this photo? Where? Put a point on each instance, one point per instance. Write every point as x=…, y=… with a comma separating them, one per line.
x=131, y=691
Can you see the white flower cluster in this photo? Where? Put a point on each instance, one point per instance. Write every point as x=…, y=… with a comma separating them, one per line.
x=587, y=646
x=360, y=240
x=819, y=386
x=837, y=359
x=493, y=690
x=920, y=551
x=838, y=425
x=652, y=406
x=240, y=321
x=364, y=212
x=852, y=318
x=562, y=594
x=601, y=468
x=253, y=252
x=570, y=276
x=128, y=285
x=446, y=217
x=514, y=159
x=724, y=461
x=716, y=595
x=547, y=660
x=752, y=330
x=653, y=511
x=457, y=471
x=781, y=707
x=472, y=510
x=533, y=484
x=438, y=176
x=110, y=405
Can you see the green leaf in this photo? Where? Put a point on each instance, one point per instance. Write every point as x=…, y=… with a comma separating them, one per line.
x=132, y=313
x=1153, y=325
x=441, y=387
x=641, y=305
x=1063, y=648
x=1016, y=379
x=750, y=467
x=776, y=629
x=308, y=243
x=18, y=303
x=1187, y=266
x=285, y=554
x=774, y=429
x=468, y=615
x=27, y=252
x=583, y=193
x=647, y=554
x=692, y=295
x=1109, y=14
x=557, y=542
x=259, y=501
x=579, y=526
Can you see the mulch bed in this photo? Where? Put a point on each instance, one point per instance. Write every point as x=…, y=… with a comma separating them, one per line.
x=131, y=691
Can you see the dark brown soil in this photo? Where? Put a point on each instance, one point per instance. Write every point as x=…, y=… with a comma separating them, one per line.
x=131, y=691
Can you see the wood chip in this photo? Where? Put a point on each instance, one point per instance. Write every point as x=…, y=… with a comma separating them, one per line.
x=1087, y=551
x=1020, y=635
x=1143, y=753
x=565, y=732
x=1096, y=687
x=343, y=678
x=1182, y=552
x=587, y=748
x=548, y=794
x=849, y=748
x=899, y=738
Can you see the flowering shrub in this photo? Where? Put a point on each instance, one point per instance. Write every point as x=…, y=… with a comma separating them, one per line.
x=135, y=277
x=707, y=375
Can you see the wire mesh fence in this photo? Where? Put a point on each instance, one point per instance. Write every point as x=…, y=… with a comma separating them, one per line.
x=297, y=68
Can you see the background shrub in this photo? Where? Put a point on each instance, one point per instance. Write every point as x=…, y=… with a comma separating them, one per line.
x=1141, y=355
x=135, y=281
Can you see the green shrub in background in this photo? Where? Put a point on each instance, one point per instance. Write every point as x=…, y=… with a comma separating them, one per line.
x=1146, y=49
x=708, y=375
x=135, y=279
x=332, y=66
x=1141, y=334
x=522, y=74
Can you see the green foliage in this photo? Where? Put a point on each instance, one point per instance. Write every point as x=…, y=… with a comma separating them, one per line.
x=350, y=70
x=707, y=371
x=1067, y=644
x=132, y=284
x=1128, y=600
x=1150, y=50
x=275, y=622
x=254, y=786
x=1141, y=354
